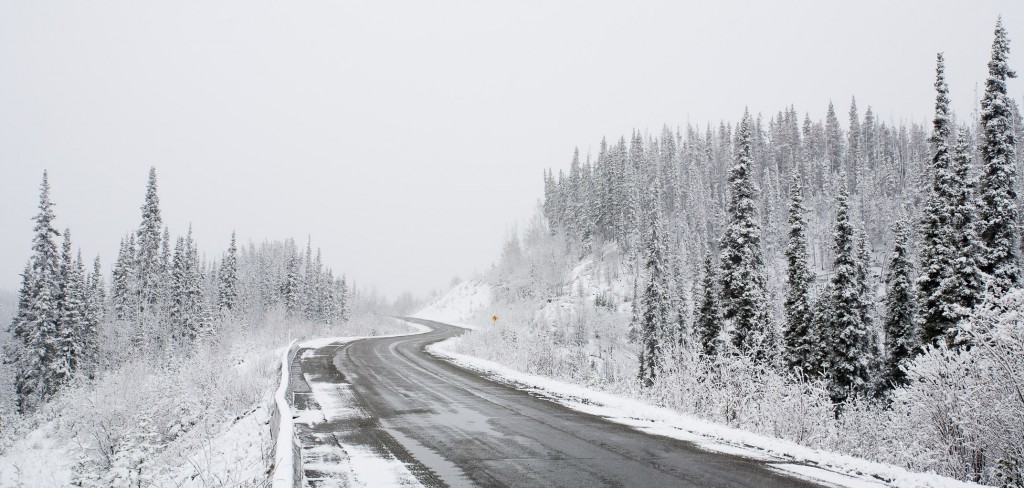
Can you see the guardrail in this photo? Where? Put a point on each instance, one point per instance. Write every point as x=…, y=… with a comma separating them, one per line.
x=287, y=468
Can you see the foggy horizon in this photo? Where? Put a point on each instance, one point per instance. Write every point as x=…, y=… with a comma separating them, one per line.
x=407, y=143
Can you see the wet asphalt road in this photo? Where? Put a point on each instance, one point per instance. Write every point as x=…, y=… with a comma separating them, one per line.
x=451, y=427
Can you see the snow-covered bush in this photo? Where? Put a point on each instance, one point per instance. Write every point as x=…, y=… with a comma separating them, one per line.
x=740, y=392
x=129, y=418
x=964, y=406
x=587, y=349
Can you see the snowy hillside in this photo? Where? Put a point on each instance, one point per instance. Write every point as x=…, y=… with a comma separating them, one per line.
x=468, y=304
x=574, y=328
x=201, y=424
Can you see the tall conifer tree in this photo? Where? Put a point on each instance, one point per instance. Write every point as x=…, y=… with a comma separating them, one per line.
x=36, y=326
x=900, y=332
x=655, y=300
x=228, y=278
x=966, y=282
x=798, y=336
x=846, y=335
x=997, y=212
x=71, y=322
x=124, y=285
x=149, y=257
x=937, y=233
x=744, y=295
x=707, y=323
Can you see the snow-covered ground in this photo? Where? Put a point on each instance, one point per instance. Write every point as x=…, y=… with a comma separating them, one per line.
x=465, y=305
x=234, y=454
x=794, y=459
x=38, y=460
x=237, y=456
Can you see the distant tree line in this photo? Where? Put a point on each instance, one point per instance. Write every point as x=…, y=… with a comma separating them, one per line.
x=163, y=300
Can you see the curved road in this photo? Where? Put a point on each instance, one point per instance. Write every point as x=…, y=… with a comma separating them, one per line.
x=451, y=427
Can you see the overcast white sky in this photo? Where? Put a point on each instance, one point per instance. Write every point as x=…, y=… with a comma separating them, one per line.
x=407, y=138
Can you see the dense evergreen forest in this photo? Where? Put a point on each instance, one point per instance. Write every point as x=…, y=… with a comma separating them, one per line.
x=871, y=257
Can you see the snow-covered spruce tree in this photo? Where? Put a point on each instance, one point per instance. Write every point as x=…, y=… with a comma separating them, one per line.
x=654, y=316
x=177, y=311
x=900, y=333
x=149, y=262
x=96, y=311
x=846, y=334
x=20, y=352
x=308, y=283
x=187, y=310
x=707, y=322
x=164, y=291
x=620, y=190
x=632, y=216
x=344, y=303
x=604, y=196
x=833, y=141
x=72, y=309
x=313, y=285
x=821, y=323
x=291, y=289
x=966, y=283
x=612, y=207
x=586, y=194
x=937, y=233
x=123, y=292
x=85, y=329
x=678, y=331
x=997, y=209
x=798, y=336
x=322, y=290
x=744, y=296
x=227, y=284
x=854, y=150
x=549, y=199
x=329, y=298
x=573, y=205
x=669, y=167
x=36, y=326
x=864, y=278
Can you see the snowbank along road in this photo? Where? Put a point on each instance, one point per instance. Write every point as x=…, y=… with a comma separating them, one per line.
x=392, y=414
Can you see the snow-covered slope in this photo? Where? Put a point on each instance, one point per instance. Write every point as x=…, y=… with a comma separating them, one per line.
x=233, y=455
x=39, y=459
x=464, y=305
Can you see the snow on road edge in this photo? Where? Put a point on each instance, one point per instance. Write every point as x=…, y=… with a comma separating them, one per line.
x=784, y=456
x=327, y=341
x=283, y=467
x=361, y=466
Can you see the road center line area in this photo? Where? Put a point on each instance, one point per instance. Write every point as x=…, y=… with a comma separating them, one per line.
x=383, y=412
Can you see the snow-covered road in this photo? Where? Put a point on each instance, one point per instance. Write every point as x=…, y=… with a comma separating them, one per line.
x=382, y=411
